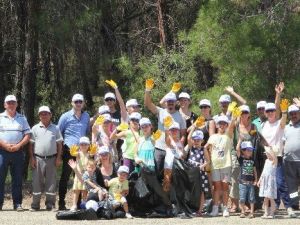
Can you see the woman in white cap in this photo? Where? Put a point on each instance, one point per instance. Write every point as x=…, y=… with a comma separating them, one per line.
x=130, y=138
x=175, y=149
x=218, y=156
x=184, y=104
x=82, y=160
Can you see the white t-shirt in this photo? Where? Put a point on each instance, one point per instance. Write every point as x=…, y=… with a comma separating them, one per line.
x=162, y=114
x=273, y=134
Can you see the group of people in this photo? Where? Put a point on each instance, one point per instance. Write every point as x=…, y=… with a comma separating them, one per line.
x=239, y=161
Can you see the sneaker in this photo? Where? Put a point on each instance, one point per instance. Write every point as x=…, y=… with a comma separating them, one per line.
x=251, y=216
x=265, y=216
x=242, y=215
x=19, y=208
x=33, y=210
x=73, y=208
x=215, y=211
x=128, y=216
x=291, y=213
x=62, y=207
x=225, y=212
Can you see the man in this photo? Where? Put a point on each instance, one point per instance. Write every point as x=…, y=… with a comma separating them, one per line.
x=260, y=111
x=170, y=110
x=291, y=157
x=14, y=134
x=45, y=156
x=73, y=125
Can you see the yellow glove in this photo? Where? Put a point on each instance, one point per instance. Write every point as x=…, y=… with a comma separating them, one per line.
x=122, y=127
x=74, y=150
x=232, y=106
x=100, y=120
x=93, y=149
x=200, y=121
x=156, y=135
x=168, y=121
x=176, y=87
x=284, y=105
x=236, y=112
x=252, y=132
x=149, y=84
x=112, y=84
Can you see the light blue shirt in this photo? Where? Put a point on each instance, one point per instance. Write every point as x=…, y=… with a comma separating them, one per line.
x=73, y=128
x=13, y=130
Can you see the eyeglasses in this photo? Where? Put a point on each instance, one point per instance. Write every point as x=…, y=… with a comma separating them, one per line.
x=109, y=99
x=204, y=106
x=269, y=111
x=11, y=103
x=78, y=102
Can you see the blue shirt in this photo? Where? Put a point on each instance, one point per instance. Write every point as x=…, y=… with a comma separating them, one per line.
x=73, y=128
x=13, y=130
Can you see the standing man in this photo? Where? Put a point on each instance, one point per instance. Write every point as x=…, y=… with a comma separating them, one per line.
x=291, y=157
x=14, y=134
x=45, y=156
x=73, y=125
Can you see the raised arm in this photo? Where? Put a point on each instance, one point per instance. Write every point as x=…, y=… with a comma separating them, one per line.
x=189, y=138
x=123, y=109
x=278, y=90
x=149, y=104
x=239, y=98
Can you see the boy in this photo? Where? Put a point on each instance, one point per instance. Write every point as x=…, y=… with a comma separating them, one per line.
x=119, y=188
x=248, y=176
x=45, y=155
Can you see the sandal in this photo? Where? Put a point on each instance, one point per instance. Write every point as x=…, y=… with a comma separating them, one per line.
x=233, y=210
x=265, y=216
x=251, y=216
x=198, y=214
x=242, y=215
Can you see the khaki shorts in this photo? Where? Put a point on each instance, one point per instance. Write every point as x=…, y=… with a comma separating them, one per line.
x=223, y=175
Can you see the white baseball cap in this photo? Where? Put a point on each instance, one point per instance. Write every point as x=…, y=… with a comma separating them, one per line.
x=245, y=108
x=10, y=98
x=293, y=108
x=222, y=118
x=197, y=135
x=247, y=145
x=44, y=109
x=145, y=121
x=107, y=117
x=204, y=102
x=184, y=95
x=123, y=169
x=92, y=204
x=270, y=106
x=132, y=102
x=261, y=104
x=103, y=150
x=84, y=140
x=109, y=95
x=174, y=125
x=170, y=97
x=135, y=115
x=103, y=109
x=77, y=97
x=225, y=98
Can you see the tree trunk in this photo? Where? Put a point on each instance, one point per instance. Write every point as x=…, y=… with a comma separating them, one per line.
x=161, y=29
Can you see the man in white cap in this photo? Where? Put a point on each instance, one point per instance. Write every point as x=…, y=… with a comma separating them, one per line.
x=161, y=113
x=260, y=111
x=73, y=125
x=291, y=157
x=14, y=134
x=45, y=156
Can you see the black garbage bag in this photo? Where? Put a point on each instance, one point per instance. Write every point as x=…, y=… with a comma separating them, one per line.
x=186, y=184
x=82, y=214
x=141, y=188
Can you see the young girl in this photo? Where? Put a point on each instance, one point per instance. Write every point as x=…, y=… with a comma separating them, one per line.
x=130, y=140
x=196, y=158
x=267, y=184
x=82, y=160
x=218, y=154
x=101, y=135
x=174, y=150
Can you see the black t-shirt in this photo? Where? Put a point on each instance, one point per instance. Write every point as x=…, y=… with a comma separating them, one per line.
x=247, y=169
x=116, y=117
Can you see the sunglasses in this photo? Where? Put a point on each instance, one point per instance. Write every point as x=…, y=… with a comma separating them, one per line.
x=135, y=106
x=171, y=102
x=269, y=111
x=104, y=154
x=78, y=102
x=204, y=107
x=261, y=109
x=135, y=120
x=109, y=99
x=245, y=112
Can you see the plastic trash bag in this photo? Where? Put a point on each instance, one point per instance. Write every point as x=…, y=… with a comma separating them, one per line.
x=141, y=188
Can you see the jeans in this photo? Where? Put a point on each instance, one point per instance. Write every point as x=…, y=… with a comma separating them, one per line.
x=282, y=188
x=247, y=192
x=14, y=161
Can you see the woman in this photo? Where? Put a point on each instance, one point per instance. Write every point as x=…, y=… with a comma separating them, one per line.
x=184, y=104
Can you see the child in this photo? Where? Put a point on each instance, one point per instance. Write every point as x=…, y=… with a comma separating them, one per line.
x=89, y=179
x=196, y=158
x=82, y=160
x=119, y=188
x=218, y=153
x=247, y=177
x=174, y=150
x=267, y=184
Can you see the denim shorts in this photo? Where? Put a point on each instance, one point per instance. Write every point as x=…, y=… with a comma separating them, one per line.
x=247, y=193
